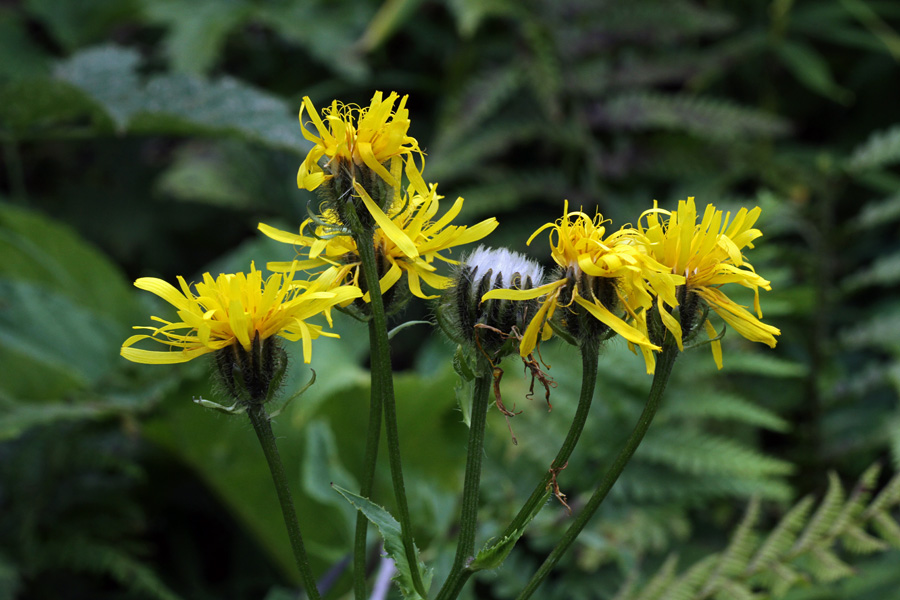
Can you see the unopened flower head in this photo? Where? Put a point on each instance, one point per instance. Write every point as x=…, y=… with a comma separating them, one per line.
x=407, y=243
x=601, y=276
x=708, y=255
x=491, y=324
x=360, y=147
x=236, y=309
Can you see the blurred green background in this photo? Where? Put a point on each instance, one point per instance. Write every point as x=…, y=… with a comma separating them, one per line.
x=149, y=137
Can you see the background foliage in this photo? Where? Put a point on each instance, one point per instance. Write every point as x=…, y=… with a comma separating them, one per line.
x=148, y=137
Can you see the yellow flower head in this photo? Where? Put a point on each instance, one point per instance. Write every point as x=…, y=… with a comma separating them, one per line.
x=407, y=242
x=602, y=273
x=708, y=255
x=350, y=137
x=234, y=309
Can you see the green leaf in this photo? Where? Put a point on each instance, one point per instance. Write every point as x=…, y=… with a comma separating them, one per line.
x=714, y=119
x=389, y=529
x=493, y=555
x=75, y=24
x=197, y=29
x=881, y=149
x=49, y=254
x=322, y=467
x=812, y=70
x=390, y=17
x=20, y=57
x=179, y=104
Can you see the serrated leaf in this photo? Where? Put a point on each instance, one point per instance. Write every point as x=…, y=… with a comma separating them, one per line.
x=389, y=529
x=493, y=555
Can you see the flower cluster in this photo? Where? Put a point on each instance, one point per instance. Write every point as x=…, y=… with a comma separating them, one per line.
x=629, y=280
x=357, y=162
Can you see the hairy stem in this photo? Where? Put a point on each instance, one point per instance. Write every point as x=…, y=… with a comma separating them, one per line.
x=589, y=358
x=660, y=379
x=383, y=383
x=468, y=518
x=373, y=435
x=259, y=418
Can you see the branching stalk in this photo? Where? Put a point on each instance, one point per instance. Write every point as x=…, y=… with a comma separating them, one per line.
x=660, y=379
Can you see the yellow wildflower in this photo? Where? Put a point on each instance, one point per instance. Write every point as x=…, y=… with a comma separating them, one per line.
x=601, y=274
x=407, y=242
x=234, y=309
x=708, y=255
x=350, y=137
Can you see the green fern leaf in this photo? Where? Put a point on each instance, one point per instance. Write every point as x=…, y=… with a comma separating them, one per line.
x=715, y=119
x=782, y=537
x=884, y=270
x=824, y=517
x=856, y=540
x=685, y=588
x=882, y=148
x=887, y=528
x=874, y=214
x=661, y=581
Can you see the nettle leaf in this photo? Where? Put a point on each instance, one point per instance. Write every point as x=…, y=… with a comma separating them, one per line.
x=389, y=529
x=177, y=103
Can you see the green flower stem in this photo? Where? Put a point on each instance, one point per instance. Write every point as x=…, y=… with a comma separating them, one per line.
x=383, y=383
x=660, y=379
x=260, y=420
x=373, y=435
x=589, y=358
x=468, y=519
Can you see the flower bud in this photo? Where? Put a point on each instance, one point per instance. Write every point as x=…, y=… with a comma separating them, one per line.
x=251, y=376
x=493, y=325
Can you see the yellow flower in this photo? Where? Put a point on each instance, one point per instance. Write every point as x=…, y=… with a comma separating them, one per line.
x=407, y=242
x=233, y=309
x=708, y=255
x=602, y=273
x=350, y=137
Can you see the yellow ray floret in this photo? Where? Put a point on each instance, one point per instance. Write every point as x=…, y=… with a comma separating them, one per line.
x=709, y=254
x=349, y=137
x=407, y=243
x=234, y=309
x=581, y=245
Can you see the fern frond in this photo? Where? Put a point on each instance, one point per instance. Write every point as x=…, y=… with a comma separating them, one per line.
x=716, y=119
x=88, y=556
x=704, y=453
x=879, y=213
x=885, y=271
x=722, y=406
x=882, y=148
x=756, y=566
